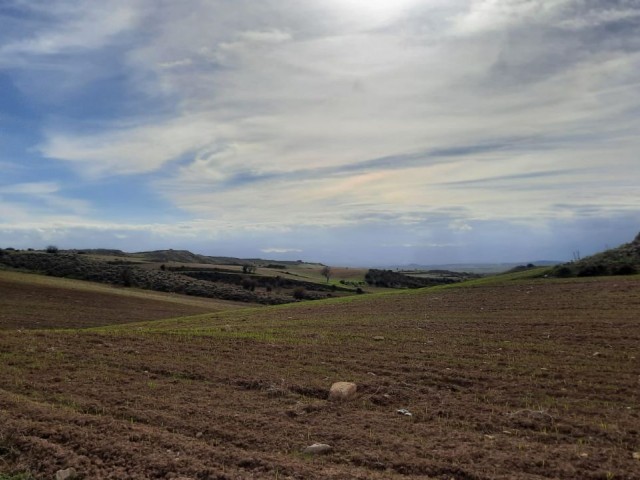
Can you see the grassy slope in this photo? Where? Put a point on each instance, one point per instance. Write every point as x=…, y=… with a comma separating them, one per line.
x=624, y=259
x=313, y=314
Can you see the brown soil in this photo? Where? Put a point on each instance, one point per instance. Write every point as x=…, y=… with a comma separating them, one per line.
x=33, y=301
x=525, y=380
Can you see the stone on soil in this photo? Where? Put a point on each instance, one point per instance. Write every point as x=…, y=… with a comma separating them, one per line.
x=67, y=474
x=318, y=449
x=342, y=391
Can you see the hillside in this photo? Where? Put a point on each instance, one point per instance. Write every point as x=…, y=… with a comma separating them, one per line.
x=129, y=274
x=37, y=301
x=179, y=256
x=484, y=380
x=182, y=272
x=623, y=260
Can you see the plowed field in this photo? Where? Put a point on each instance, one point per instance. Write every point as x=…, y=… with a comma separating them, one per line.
x=526, y=379
x=35, y=301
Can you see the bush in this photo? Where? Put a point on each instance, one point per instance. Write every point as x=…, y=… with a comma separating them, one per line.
x=564, y=272
x=592, y=270
x=626, y=269
x=52, y=249
x=127, y=277
x=300, y=293
x=249, y=284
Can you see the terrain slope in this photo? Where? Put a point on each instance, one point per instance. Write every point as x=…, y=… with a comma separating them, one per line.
x=622, y=260
x=526, y=379
x=37, y=301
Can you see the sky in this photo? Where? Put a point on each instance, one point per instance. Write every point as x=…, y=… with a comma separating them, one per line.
x=351, y=132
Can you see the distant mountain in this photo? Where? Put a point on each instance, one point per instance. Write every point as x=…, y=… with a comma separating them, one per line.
x=623, y=260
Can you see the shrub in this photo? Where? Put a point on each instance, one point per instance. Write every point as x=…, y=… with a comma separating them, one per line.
x=592, y=270
x=299, y=293
x=564, y=272
x=249, y=284
x=625, y=269
x=127, y=277
x=52, y=249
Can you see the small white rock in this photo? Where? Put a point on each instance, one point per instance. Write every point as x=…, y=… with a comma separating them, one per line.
x=342, y=391
x=67, y=474
x=318, y=449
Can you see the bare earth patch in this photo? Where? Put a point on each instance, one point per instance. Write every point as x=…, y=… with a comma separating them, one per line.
x=35, y=301
x=528, y=380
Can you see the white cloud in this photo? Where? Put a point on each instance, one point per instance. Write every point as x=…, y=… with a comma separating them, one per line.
x=269, y=113
x=495, y=15
x=83, y=25
x=31, y=188
x=280, y=250
x=133, y=150
x=460, y=226
x=37, y=200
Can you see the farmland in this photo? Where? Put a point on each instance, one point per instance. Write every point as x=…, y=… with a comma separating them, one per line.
x=508, y=377
x=35, y=301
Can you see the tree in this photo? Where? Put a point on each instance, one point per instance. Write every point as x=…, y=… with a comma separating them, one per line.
x=248, y=268
x=52, y=249
x=326, y=272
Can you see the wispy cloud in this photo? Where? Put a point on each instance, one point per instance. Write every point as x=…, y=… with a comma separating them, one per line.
x=335, y=114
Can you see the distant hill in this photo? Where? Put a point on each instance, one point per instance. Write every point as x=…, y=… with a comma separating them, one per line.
x=185, y=256
x=623, y=260
x=474, y=268
x=180, y=256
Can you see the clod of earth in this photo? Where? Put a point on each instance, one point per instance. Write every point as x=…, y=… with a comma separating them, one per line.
x=342, y=391
x=378, y=338
x=318, y=449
